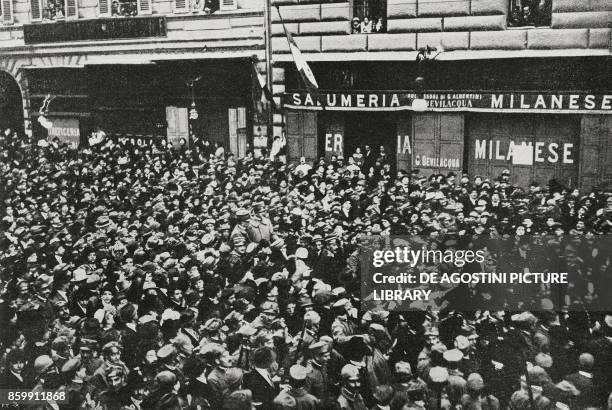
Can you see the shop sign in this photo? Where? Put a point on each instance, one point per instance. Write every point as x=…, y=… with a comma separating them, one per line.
x=454, y=101
x=67, y=130
x=139, y=140
x=524, y=153
x=334, y=144
x=426, y=161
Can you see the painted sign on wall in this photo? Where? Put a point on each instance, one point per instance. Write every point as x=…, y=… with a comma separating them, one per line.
x=454, y=101
x=67, y=130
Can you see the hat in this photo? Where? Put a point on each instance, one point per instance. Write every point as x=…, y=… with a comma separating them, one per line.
x=301, y=253
x=213, y=324
x=349, y=372
x=71, y=365
x=318, y=348
x=475, y=382
x=453, y=355
x=586, y=361
x=462, y=342
x=438, y=374
x=544, y=360
x=45, y=281
x=102, y=222
x=207, y=239
x=340, y=303
x=42, y=363
x=166, y=351
x=79, y=275
x=242, y=214
x=298, y=372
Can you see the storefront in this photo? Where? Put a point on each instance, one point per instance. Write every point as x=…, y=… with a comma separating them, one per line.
x=145, y=103
x=537, y=135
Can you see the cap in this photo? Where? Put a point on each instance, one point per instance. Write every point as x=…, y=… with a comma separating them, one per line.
x=475, y=382
x=298, y=372
x=318, y=348
x=340, y=303
x=349, y=372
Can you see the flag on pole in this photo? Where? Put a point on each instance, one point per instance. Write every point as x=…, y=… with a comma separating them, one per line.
x=266, y=92
x=300, y=63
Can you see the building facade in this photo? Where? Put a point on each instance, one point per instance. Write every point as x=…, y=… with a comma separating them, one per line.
x=509, y=84
x=139, y=70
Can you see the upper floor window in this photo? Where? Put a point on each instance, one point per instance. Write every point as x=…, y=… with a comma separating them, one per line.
x=369, y=16
x=53, y=10
x=6, y=11
x=530, y=13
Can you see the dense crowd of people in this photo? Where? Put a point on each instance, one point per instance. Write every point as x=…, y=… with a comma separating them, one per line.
x=160, y=278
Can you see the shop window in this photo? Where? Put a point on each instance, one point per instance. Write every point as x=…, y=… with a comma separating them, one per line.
x=6, y=11
x=369, y=16
x=530, y=13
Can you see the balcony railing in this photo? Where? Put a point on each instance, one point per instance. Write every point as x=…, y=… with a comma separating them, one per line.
x=99, y=29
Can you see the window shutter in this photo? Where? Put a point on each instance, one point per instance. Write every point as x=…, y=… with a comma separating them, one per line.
x=144, y=7
x=7, y=11
x=104, y=8
x=181, y=6
x=35, y=10
x=72, y=11
x=228, y=5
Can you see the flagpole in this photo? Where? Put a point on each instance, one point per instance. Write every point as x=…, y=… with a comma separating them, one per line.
x=268, y=53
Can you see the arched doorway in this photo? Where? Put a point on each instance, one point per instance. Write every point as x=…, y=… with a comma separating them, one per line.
x=11, y=104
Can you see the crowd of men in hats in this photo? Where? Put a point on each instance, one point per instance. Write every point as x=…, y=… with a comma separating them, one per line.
x=153, y=278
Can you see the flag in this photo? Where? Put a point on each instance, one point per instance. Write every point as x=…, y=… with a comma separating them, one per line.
x=300, y=63
x=266, y=93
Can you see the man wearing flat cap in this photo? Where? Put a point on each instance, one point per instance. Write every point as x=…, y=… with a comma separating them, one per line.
x=350, y=397
x=317, y=378
x=297, y=397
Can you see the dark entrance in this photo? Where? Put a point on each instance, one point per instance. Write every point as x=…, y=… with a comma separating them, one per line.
x=11, y=105
x=371, y=129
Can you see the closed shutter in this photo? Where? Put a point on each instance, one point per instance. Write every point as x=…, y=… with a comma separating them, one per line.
x=35, y=10
x=228, y=5
x=181, y=6
x=144, y=6
x=72, y=11
x=301, y=135
x=7, y=11
x=104, y=8
x=437, y=142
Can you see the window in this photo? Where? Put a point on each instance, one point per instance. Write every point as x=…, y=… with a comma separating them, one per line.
x=53, y=10
x=530, y=13
x=196, y=6
x=369, y=16
x=123, y=8
x=6, y=11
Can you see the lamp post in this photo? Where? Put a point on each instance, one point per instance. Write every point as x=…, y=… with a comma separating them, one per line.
x=193, y=112
x=419, y=104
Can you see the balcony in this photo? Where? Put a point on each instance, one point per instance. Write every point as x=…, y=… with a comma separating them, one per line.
x=98, y=29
